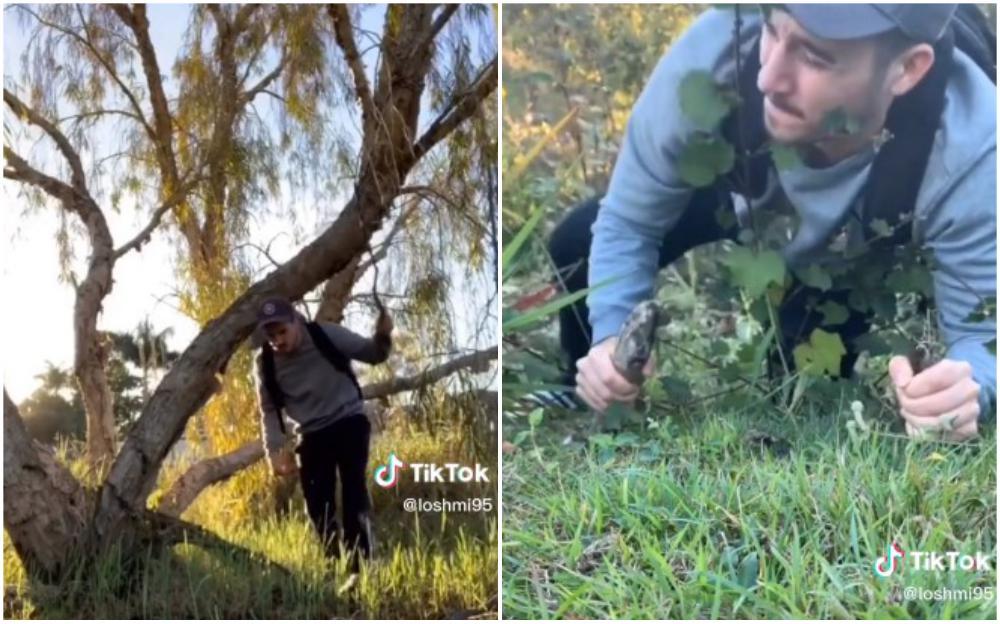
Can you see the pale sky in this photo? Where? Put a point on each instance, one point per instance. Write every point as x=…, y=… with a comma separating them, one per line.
x=38, y=310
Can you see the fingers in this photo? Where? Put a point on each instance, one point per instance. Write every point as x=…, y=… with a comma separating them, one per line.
x=966, y=390
x=951, y=420
x=583, y=391
x=650, y=368
x=968, y=431
x=598, y=383
x=939, y=377
x=900, y=371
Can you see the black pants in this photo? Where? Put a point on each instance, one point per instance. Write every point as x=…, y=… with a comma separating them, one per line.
x=340, y=448
x=569, y=247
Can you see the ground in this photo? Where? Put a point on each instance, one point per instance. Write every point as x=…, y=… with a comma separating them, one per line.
x=691, y=516
x=427, y=566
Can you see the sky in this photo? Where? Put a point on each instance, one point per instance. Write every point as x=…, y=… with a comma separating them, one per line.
x=38, y=315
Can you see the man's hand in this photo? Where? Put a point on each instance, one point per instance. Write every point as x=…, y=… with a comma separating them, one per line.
x=282, y=463
x=599, y=383
x=943, y=399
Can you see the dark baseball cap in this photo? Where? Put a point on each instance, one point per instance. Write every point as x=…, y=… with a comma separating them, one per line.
x=920, y=22
x=275, y=310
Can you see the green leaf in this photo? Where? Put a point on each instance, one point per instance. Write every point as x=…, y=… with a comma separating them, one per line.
x=785, y=157
x=985, y=310
x=881, y=227
x=822, y=354
x=704, y=159
x=675, y=389
x=535, y=417
x=510, y=250
x=702, y=101
x=839, y=122
x=911, y=279
x=753, y=271
x=814, y=276
x=833, y=313
x=874, y=344
x=749, y=569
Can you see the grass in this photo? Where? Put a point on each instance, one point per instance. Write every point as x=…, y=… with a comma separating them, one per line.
x=427, y=565
x=687, y=520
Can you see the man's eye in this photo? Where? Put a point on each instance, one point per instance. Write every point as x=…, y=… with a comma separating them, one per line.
x=813, y=60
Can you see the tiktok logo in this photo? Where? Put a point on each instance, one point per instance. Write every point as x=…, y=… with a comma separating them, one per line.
x=886, y=566
x=387, y=474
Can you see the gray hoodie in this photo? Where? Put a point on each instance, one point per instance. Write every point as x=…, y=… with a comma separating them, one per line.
x=316, y=393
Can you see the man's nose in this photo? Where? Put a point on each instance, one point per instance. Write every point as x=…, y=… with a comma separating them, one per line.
x=775, y=72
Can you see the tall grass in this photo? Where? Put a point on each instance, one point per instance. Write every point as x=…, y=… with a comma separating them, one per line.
x=426, y=566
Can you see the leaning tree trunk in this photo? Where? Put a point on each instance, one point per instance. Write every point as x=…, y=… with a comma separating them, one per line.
x=45, y=508
x=388, y=153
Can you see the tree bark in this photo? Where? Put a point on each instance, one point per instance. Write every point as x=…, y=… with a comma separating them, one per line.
x=208, y=472
x=90, y=357
x=45, y=508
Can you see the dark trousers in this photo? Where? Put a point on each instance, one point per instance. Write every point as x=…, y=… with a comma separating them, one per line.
x=569, y=247
x=340, y=448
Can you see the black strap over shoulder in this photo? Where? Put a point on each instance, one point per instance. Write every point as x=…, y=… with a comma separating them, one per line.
x=326, y=348
x=901, y=164
x=332, y=354
x=270, y=380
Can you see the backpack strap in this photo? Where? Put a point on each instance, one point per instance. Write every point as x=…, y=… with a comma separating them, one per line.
x=744, y=129
x=913, y=120
x=270, y=379
x=975, y=37
x=332, y=354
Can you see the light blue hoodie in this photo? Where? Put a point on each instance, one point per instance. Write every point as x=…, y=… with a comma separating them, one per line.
x=955, y=209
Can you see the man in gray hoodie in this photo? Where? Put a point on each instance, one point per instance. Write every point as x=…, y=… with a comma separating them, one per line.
x=304, y=371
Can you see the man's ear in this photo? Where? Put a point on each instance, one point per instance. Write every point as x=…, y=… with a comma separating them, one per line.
x=910, y=68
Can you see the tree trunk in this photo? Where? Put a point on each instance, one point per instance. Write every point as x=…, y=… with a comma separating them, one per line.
x=335, y=293
x=45, y=508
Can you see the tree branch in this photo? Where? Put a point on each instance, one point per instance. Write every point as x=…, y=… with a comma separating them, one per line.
x=342, y=30
x=86, y=43
x=477, y=361
x=18, y=169
x=439, y=22
x=264, y=83
x=23, y=111
x=144, y=234
x=162, y=136
x=461, y=107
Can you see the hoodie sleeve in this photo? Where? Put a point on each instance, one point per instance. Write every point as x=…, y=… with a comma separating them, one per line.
x=961, y=232
x=647, y=195
x=270, y=425
x=374, y=350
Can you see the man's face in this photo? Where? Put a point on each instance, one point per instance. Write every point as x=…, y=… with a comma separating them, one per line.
x=284, y=337
x=804, y=79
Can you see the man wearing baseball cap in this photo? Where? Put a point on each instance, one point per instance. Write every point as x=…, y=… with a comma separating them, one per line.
x=303, y=371
x=885, y=67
